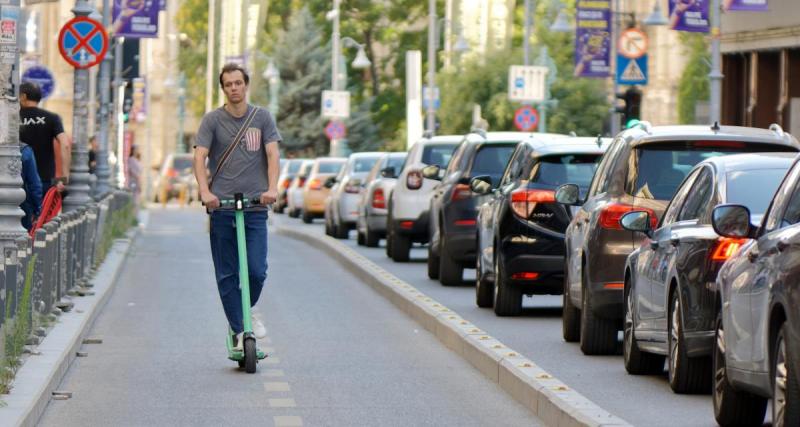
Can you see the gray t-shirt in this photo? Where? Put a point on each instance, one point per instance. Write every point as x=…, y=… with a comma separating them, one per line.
x=246, y=170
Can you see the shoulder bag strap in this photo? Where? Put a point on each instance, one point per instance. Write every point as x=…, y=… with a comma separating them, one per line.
x=227, y=154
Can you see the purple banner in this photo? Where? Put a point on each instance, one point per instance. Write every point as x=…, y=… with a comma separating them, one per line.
x=752, y=5
x=593, y=39
x=135, y=18
x=689, y=15
x=162, y=4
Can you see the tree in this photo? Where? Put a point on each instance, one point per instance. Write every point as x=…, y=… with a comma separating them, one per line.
x=693, y=86
x=305, y=69
x=192, y=19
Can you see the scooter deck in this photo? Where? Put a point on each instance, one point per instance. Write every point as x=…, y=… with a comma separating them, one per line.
x=238, y=356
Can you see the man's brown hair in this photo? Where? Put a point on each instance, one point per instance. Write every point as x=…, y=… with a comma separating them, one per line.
x=231, y=67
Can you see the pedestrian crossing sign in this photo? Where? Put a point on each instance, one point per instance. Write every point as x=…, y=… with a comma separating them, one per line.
x=632, y=71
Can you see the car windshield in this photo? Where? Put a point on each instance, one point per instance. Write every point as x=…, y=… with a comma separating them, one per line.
x=294, y=166
x=491, y=160
x=753, y=188
x=182, y=163
x=363, y=165
x=438, y=154
x=553, y=171
x=329, y=167
x=657, y=170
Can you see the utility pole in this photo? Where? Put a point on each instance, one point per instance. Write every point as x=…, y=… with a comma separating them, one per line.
x=615, y=30
x=11, y=192
x=716, y=76
x=79, y=170
x=102, y=170
x=210, y=55
x=119, y=100
x=431, y=111
x=526, y=45
x=336, y=41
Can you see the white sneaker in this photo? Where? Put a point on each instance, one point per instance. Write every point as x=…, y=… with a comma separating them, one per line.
x=258, y=327
x=238, y=342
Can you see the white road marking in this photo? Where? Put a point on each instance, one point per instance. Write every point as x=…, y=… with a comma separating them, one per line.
x=277, y=386
x=287, y=421
x=282, y=403
x=272, y=373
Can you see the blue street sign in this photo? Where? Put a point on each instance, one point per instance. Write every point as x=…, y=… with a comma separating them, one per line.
x=42, y=77
x=519, y=83
x=426, y=95
x=632, y=71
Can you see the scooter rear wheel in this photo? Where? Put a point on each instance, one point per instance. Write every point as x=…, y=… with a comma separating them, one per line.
x=250, y=356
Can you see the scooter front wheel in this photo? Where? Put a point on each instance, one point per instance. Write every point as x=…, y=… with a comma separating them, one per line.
x=250, y=356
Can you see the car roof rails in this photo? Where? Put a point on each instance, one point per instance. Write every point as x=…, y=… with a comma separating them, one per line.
x=479, y=131
x=777, y=129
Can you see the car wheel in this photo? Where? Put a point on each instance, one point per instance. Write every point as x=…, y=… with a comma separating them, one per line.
x=293, y=213
x=360, y=238
x=340, y=231
x=598, y=334
x=307, y=217
x=570, y=315
x=732, y=407
x=433, y=262
x=371, y=238
x=328, y=229
x=484, y=289
x=637, y=362
x=451, y=273
x=785, y=386
x=686, y=374
x=400, y=247
x=507, y=300
x=389, y=238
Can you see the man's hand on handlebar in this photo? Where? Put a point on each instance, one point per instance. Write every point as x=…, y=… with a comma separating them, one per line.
x=209, y=199
x=269, y=197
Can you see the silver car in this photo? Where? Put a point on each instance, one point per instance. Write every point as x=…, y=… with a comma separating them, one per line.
x=341, y=206
x=294, y=195
x=372, y=212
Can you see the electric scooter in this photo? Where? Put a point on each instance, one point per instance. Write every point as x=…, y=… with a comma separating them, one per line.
x=248, y=358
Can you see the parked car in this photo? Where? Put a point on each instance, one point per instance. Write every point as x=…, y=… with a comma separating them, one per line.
x=407, y=220
x=315, y=192
x=288, y=172
x=294, y=195
x=453, y=204
x=371, y=223
x=757, y=340
x=176, y=179
x=640, y=171
x=520, y=236
x=341, y=207
x=669, y=279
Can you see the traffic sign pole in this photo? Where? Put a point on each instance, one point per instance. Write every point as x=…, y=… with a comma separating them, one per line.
x=79, y=165
x=102, y=169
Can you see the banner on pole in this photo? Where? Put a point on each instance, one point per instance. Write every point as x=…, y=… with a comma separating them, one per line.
x=750, y=5
x=135, y=19
x=593, y=39
x=689, y=15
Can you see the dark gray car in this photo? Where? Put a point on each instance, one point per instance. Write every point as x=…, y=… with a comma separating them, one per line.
x=640, y=171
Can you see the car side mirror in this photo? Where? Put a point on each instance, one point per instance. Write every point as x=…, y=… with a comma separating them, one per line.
x=732, y=221
x=330, y=182
x=481, y=184
x=389, y=172
x=432, y=172
x=568, y=194
x=637, y=221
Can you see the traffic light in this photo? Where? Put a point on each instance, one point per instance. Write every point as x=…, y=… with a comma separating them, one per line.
x=632, y=110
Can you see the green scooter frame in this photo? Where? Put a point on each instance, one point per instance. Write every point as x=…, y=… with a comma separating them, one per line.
x=248, y=358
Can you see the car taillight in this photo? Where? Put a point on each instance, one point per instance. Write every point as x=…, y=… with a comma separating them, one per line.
x=461, y=192
x=524, y=201
x=378, y=199
x=414, y=180
x=528, y=275
x=407, y=225
x=301, y=182
x=285, y=184
x=611, y=214
x=315, y=184
x=725, y=248
x=465, y=222
x=352, y=189
x=172, y=173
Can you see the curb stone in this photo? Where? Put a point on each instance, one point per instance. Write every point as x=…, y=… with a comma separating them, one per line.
x=552, y=401
x=41, y=375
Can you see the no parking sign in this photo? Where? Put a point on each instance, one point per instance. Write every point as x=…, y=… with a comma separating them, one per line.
x=526, y=118
x=83, y=42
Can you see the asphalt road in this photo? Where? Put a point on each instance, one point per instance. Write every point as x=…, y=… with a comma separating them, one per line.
x=640, y=400
x=339, y=353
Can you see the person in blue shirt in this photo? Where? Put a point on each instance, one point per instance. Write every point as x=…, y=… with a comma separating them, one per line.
x=32, y=206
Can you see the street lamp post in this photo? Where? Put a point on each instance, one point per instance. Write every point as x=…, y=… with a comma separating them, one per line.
x=79, y=170
x=715, y=76
x=430, y=113
x=11, y=192
x=102, y=170
x=273, y=76
x=119, y=100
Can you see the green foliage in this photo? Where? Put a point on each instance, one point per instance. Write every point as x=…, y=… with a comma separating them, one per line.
x=192, y=19
x=117, y=224
x=693, y=86
x=18, y=328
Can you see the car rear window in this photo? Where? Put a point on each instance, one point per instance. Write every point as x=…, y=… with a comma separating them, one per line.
x=363, y=165
x=438, y=154
x=396, y=163
x=294, y=166
x=553, y=171
x=329, y=167
x=492, y=160
x=181, y=163
x=753, y=188
x=657, y=170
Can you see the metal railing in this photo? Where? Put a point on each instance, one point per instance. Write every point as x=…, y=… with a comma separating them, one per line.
x=40, y=275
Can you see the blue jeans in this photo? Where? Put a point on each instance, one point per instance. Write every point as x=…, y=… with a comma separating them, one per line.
x=224, y=252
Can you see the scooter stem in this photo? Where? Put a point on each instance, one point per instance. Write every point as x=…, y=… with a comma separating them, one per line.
x=244, y=271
